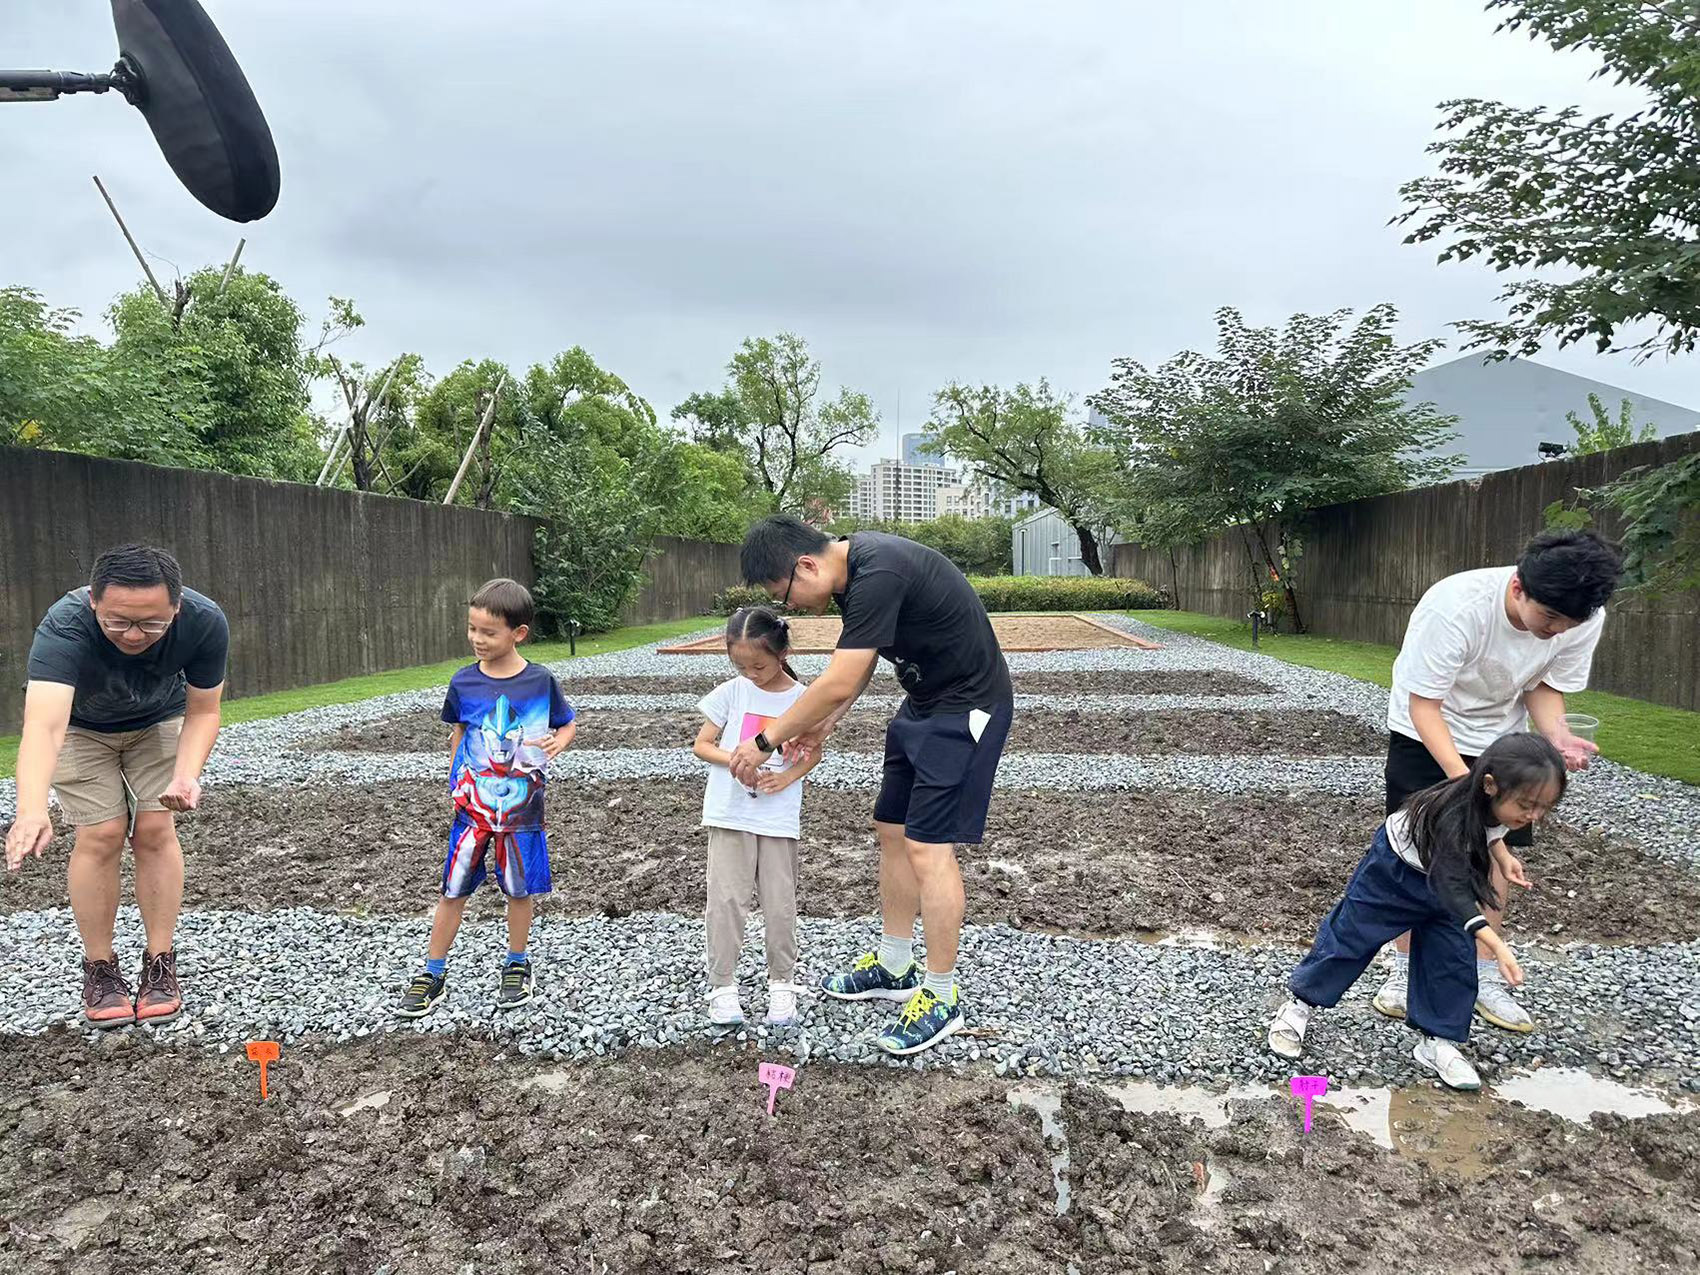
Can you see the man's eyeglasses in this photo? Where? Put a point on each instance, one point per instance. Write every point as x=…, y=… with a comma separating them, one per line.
x=789, y=585
x=118, y=627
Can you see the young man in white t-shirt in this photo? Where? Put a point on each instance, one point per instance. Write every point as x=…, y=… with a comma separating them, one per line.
x=1486, y=650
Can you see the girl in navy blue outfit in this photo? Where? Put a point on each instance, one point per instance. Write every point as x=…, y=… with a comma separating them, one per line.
x=1428, y=871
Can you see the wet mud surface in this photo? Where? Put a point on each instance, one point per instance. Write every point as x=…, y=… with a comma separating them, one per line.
x=1087, y=864
x=1193, y=731
x=426, y=1155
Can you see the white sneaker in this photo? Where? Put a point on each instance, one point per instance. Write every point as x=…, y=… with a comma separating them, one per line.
x=781, y=1003
x=1496, y=1004
x=724, y=1009
x=1287, y=1032
x=1443, y=1059
x=1390, y=1000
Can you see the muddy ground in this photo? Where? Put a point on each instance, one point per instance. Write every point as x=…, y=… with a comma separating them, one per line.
x=1086, y=864
x=1196, y=731
x=704, y=674
x=416, y=1154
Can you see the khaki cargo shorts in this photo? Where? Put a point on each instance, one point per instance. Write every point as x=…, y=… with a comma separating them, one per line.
x=104, y=776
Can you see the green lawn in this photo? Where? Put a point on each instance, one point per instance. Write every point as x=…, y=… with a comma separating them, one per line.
x=1649, y=737
x=351, y=689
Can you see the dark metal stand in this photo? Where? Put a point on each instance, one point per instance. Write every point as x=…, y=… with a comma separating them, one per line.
x=49, y=86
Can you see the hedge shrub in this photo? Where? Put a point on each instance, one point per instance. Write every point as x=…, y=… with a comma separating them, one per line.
x=1066, y=593
x=1012, y=593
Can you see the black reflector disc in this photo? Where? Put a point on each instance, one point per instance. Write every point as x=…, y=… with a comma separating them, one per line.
x=199, y=105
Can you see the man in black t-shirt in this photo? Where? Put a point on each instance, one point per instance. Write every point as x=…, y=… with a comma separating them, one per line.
x=120, y=715
x=910, y=604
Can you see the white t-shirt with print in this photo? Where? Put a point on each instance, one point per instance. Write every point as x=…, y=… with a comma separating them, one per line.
x=743, y=710
x=1461, y=649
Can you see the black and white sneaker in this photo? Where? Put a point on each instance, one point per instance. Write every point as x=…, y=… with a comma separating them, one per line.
x=422, y=995
x=518, y=983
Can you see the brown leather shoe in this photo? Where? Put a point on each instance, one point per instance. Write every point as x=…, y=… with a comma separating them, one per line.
x=159, y=998
x=106, y=996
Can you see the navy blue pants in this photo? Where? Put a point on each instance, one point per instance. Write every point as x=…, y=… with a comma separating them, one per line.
x=1385, y=897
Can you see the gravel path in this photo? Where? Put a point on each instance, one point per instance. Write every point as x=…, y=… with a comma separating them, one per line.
x=1039, y=1004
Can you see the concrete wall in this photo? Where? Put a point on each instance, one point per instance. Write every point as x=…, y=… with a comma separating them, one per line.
x=682, y=578
x=1365, y=565
x=318, y=584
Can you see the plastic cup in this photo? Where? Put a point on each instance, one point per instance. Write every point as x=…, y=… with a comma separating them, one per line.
x=1582, y=726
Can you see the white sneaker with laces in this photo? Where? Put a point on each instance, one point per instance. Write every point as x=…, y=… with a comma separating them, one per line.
x=1390, y=1000
x=1496, y=1004
x=781, y=1003
x=724, y=1009
x=1443, y=1059
x=1287, y=1032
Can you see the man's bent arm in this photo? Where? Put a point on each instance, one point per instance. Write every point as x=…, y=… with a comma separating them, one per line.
x=828, y=697
x=1432, y=730
x=200, y=731
x=47, y=713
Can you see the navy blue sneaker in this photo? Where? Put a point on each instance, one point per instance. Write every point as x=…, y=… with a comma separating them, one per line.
x=924, y=1022
x=868, y=980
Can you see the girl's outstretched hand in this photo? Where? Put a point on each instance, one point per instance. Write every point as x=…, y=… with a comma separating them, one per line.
x=1508, y=966
x=1512, y=866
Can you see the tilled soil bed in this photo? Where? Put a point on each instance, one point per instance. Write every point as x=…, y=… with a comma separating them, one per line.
x=427, y=1155
x=1094, y=682
x=1086, y=864
x=1196, y=731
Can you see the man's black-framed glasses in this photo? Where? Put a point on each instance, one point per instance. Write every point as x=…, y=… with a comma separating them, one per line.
x=789, y=585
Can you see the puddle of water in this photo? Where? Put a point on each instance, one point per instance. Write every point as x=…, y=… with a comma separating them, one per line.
x=1047, y=1101
x=1574, y=1094
x=1448, y=1131
x=1188, y=1101
x=371, y=1102
x=548, y=1081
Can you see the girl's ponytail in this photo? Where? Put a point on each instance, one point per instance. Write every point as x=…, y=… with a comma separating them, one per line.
x=766, y=626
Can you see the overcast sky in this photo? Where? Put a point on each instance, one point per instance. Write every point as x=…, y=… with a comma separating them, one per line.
x=958, y=189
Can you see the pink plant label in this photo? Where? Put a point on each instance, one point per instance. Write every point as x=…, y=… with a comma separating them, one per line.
x=775, y=1077
x=1310, y=1088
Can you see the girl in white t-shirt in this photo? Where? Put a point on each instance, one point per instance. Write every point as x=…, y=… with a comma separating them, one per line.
x=752, y=832
x=1429, y=872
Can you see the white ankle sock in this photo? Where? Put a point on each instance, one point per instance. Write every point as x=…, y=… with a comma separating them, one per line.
x=940, y=985
x=896, y=954
x=1401, y=961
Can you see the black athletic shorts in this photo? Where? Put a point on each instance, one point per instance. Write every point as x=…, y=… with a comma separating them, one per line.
x=938, y=774
x=1411, y=768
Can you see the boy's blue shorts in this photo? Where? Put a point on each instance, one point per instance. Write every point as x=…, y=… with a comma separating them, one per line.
x=518, y=859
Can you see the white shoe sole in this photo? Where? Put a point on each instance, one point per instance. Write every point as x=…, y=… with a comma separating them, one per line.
x=1391, y=1009
x=1504, y=1025
x=901, y=996
x=1426, y=1065
x=1283, y=1047
x=949, y=1029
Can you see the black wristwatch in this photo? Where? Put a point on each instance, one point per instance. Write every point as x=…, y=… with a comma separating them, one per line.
x=761, y=742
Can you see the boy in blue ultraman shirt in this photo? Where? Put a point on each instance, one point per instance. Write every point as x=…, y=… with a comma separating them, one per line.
x=510, y=720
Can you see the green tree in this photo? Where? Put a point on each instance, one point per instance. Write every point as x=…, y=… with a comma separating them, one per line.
x=232, y=350
x=444, y=421
x=1023, y=440
x=1277, y=423
x=601, y=475
x=1606, y=203
x=713, y=499
x=1603, y=433
x=72, y=393
x=771, y=408
x=979, y=546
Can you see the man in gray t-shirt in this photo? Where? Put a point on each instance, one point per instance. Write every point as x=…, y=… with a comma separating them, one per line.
x=120, y=716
